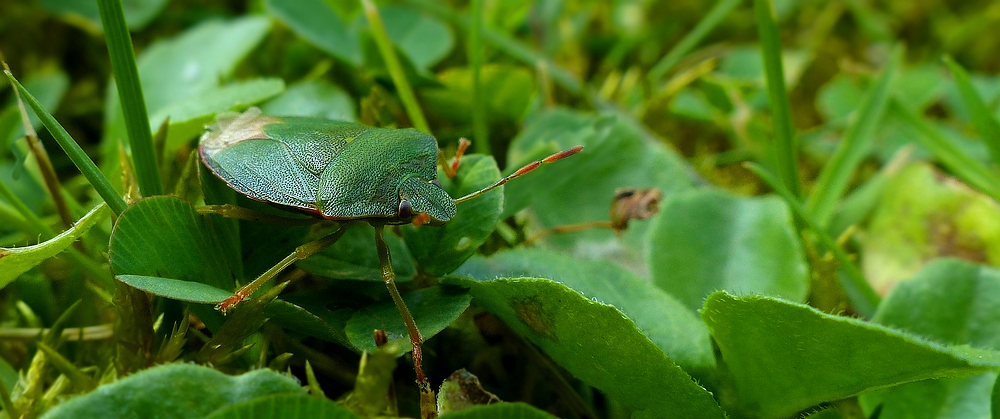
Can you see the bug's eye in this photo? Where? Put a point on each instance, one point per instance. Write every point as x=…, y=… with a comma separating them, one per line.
x=436, y=183
x=405, y=209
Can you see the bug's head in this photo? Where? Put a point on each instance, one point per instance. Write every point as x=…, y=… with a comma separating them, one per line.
x=419, y=196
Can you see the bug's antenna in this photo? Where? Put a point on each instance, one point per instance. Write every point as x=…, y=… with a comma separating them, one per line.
x=522, y=171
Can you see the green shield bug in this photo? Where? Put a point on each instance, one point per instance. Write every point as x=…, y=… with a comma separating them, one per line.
x=338, y=171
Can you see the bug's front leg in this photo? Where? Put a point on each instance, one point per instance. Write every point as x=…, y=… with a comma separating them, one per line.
x=428, y=408
x=298, y=254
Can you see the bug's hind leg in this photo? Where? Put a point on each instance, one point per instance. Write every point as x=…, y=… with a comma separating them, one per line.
x=298, y=254
x=428, y=408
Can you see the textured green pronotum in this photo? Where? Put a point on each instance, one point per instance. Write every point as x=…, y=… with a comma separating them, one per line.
x=338, y=171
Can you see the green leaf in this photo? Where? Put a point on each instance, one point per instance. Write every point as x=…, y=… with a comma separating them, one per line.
x=175, y=70
x=166, y=237
x=176, y=289
x=319, y=24
x=433, y=309
x=284, y=406
x=710, y=240
x=138, y=13
x=908, y=229
x=859, y=291
x=838, y=99
x=299, y=320
x=953, y=302
x=354, y=257
x=181, y=391
x=316, y=98
x=440, y=250
x=580, y=188
x=500, y=411
x=921, y=84
x=597, y=344
x=189, y=117
x=16, y=261
x=424, y=39
x=677, y=331
x=785, y=357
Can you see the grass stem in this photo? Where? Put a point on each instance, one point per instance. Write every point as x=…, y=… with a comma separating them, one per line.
x=395, y=68
x=133, y=105
x=785, y=146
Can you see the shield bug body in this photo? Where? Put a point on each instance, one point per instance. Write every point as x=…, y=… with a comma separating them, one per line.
x=339, y=171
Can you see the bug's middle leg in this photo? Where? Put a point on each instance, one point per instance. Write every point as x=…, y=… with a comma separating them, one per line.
x=427, y=401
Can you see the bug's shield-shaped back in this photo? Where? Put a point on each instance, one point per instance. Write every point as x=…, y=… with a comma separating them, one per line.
x=240, y=152
x=341, y=170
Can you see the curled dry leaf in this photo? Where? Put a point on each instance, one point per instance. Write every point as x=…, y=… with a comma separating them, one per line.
x=633, y=203
x=461, y=390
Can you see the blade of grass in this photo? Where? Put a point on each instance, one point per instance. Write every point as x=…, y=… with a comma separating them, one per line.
x=970, y=170
x=686, y=44
x=73, y=150
x=853, y=147
x=395, y=68
x=982, y=118
x=785, y=145
x=853, y=273
x=44, y=164
x=140, y=139
x=479, y=129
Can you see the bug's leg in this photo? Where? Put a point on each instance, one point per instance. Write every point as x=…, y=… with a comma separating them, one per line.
x=463, y=144
x=427, y=402
x=451, y=169
x=241, y=213
x=298, y=254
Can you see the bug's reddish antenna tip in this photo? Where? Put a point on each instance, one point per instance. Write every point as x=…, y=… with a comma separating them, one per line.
x=522, y=171
x=531, y=166
x=563, y=154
